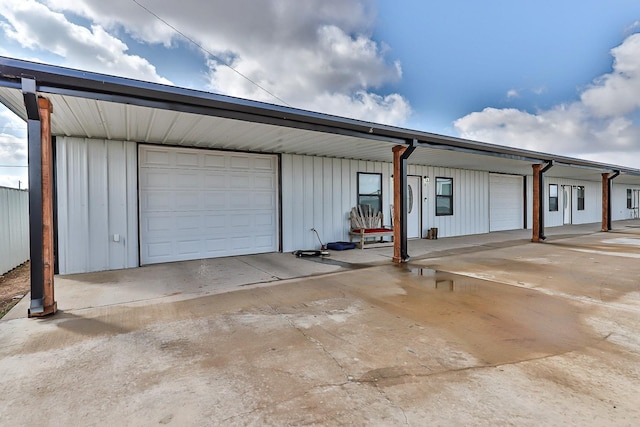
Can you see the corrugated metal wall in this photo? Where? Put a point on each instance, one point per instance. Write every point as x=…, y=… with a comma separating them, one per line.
x=619, y=209
x=319, y=193
x=14, y=228
x=470, y=201
x=592, y=202
x=97, y=199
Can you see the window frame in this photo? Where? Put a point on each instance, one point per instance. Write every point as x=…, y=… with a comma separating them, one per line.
x=553, y=207
x=444, y=196
x=580, y=192
x=629, y=198
x=370, y=195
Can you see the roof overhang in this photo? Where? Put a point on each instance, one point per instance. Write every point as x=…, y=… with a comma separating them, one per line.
x=91, y=105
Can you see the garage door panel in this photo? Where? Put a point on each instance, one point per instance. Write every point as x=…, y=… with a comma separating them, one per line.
x=186, y=180
x=200, y=204
x=264, y=164
x=241, y=243
x=506, y=205
x=263, y=201
x=186, y=159
x=160, y=223
x=239, y=220
x=158, y=179
x=264, y=183
x=187, y=247
x=215, y=161
x=264, y=242
x=215, y=179
x=156, y=201
x=159, y=249
x=266, y=218
x=239, y=162
x=155, y=157
x=187, y=200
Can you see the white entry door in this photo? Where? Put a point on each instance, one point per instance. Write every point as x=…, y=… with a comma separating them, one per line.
x=414, y=207
x=567, y=204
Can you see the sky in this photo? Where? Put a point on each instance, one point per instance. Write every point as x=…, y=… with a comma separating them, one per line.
x=561, y=77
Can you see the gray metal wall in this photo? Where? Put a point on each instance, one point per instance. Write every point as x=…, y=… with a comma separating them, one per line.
x=619, y=209
x=97, y=199
x=319, y=193
x=14, y=228
x=592, y=212
x=470, y=201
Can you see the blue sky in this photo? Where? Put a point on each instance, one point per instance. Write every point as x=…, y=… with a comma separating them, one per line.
x=553, y=76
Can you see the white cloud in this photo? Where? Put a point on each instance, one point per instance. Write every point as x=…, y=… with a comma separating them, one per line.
x=34, y=26
x=512, y=93
x=539, y=90
x=13, y=150
x=317, y=54
x=599, y=126
x=616, y=93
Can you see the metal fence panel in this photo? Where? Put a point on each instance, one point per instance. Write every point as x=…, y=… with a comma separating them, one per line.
x=14, y=228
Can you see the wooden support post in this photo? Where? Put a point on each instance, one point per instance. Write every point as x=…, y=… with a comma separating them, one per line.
x=536, y=204
x=605, y=202
x=398, y=151
x=49, y=304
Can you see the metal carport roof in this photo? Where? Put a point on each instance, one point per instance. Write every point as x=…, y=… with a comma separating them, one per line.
x=107, y=107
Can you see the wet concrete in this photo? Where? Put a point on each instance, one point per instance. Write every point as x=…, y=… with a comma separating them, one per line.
x=520, y=334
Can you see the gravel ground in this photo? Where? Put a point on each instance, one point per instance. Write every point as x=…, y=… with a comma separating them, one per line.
x=13, y=286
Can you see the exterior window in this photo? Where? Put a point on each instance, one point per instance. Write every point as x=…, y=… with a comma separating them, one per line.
x=444, y=196
x=629, y=199
x=370, y=191
x=580, y=198
x=553, y=197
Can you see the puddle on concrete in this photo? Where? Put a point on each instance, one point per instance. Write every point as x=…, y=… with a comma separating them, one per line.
x=496, y=323
x=623, y=241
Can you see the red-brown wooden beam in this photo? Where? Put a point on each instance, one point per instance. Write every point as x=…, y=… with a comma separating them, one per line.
x=49, y=304
x=538, y=201
x=536, y=204
x=401, y=154
x=606, y=199
x=398, y=151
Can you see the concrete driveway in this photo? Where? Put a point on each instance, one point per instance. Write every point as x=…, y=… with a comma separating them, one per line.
x=503, y=332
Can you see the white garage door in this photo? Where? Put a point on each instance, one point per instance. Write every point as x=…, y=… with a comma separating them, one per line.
x=198, y=204
x=506, y=206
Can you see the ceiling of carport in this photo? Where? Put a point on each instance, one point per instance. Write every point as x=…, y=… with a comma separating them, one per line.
x=84, y=117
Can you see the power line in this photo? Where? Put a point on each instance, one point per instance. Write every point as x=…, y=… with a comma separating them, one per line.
x=13, y=166
x=209, y=53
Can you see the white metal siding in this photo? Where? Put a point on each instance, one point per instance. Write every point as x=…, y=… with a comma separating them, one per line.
x=592, y=202
x=319, y=192
x=619, y=209
x=203, y=203
x=470, y=202
x=96, y=199
x=14, y=228
x=506, y=204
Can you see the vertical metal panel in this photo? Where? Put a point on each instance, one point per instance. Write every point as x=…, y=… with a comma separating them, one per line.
x=14, y=228
x=319, y=193
x=470, y=202
x=529, y=202
x=286, y=203
x=97, y=187
x=619, y=209
x=592, y=202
